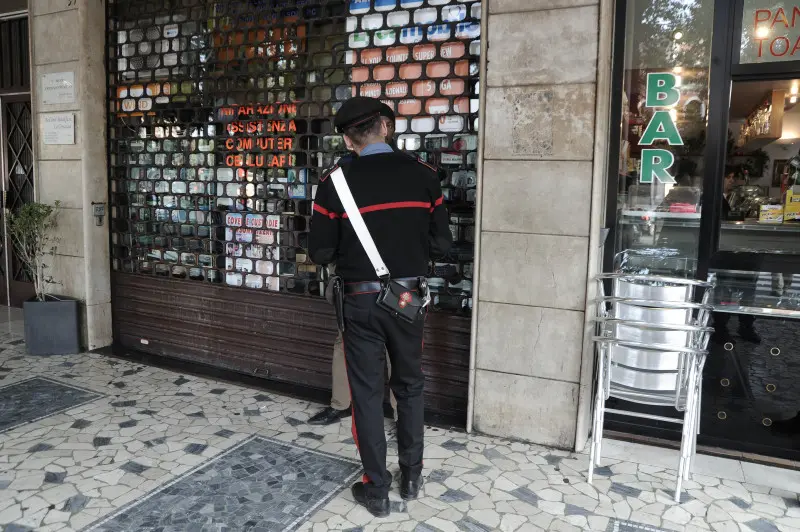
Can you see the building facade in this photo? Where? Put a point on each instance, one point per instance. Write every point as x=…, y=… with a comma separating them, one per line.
x=201, y=128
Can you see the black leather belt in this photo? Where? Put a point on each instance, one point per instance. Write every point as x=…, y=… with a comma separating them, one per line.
x=373, y=287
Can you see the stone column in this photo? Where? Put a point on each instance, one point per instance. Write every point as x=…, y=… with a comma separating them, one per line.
x=537, y=190
x=69, y=36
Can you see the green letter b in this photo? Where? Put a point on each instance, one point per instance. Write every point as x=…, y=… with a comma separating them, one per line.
x=661, y=90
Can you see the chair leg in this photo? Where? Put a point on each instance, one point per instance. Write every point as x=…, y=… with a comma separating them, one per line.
x=602, y=402
x=697, y=412
x=687, y=433
x=593, y=446
x=691, y=437
x=679, y=483
x=597, y=427
x=688, y=429
x=689, y=425
x=592, y=451
x=698, y=402
x=683, y=468
x=600, y=425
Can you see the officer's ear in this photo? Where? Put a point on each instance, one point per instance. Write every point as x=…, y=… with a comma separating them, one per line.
x=348, y=142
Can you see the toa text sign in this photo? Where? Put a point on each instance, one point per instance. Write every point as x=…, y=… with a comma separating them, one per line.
x=770, y=31
x=662, y=94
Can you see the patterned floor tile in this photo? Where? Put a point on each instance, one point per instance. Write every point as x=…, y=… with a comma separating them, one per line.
x=36, y=398
x=211, y=447
x=261, y=484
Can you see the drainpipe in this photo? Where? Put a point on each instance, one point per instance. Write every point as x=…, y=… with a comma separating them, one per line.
x=597, y=232
x=473, y=343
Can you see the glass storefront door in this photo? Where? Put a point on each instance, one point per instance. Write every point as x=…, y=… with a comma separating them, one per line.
x=663, y=106
x=707, y=185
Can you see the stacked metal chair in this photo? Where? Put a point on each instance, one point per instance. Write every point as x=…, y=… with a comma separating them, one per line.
x=652, y=343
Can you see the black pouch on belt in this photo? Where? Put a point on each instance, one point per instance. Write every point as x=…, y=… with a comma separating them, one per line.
x=334, y=294
x=401, y=302
x=338, y=302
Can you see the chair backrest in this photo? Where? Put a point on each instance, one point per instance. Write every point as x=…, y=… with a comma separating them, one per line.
x=655, y=299
x=649, y=362
x=653, y=329
x=651, y=312
x=647, y=376
x=646, y=371
x=622, y=330
x=636, y=289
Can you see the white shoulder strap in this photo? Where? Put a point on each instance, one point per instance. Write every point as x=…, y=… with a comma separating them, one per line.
x=350, y=207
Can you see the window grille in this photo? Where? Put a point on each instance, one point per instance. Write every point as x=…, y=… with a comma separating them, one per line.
x=220, y=125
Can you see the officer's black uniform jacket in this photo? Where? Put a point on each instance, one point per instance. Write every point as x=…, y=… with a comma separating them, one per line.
x=401, y=202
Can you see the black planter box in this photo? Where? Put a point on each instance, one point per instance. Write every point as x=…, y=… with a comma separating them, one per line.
x=52, y=327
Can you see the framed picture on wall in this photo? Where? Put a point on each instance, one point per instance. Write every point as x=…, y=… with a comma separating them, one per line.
x=777, y=171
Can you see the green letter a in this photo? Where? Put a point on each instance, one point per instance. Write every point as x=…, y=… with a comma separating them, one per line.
x=661, y=127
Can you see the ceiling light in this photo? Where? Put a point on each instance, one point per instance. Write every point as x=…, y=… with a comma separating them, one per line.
x=793, y=99
x=762, y=32
x=793, y=90
x=678, y=35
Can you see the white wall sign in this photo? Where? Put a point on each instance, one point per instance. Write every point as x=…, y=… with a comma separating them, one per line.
x=58, y=88
x=58, y=128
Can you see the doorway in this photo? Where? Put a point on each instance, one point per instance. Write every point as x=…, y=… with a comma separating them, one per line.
x=17, y=179
x=753, y=367
x=726, y=208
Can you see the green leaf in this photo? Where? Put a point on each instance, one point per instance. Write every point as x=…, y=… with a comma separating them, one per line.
x=31, y=230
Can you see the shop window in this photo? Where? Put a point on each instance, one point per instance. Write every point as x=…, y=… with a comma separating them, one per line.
x=664, y=94
x=761, y=208
x=770, y=32
x=220, y=125
x=761, y=211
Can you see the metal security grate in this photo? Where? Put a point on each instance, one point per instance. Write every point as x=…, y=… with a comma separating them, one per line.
x=19, y=166
x=19, y=154
x=220, y=125
x=14, y=57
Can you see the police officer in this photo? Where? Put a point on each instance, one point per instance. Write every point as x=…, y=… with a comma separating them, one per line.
x=402, y=205
x=340, y=392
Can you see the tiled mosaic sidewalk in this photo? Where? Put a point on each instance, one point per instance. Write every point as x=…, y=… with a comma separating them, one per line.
x=112, y=445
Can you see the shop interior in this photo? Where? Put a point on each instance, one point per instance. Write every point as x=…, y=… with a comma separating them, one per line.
x=761, y=191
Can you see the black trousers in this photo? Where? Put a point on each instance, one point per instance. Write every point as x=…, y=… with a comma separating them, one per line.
x=368, y=328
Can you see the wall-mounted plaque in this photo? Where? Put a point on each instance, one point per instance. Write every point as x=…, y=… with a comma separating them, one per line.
x=58, y=88
x=58, y=128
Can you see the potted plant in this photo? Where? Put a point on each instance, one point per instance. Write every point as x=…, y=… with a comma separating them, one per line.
x=51, y=322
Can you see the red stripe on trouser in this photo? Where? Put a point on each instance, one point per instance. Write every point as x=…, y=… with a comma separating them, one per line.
x=364, y=477
x=424, y=320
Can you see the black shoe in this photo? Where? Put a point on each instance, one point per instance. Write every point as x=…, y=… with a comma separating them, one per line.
x=329, y=416
x=377, y=506
x=749, y=334
x=409, y=489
